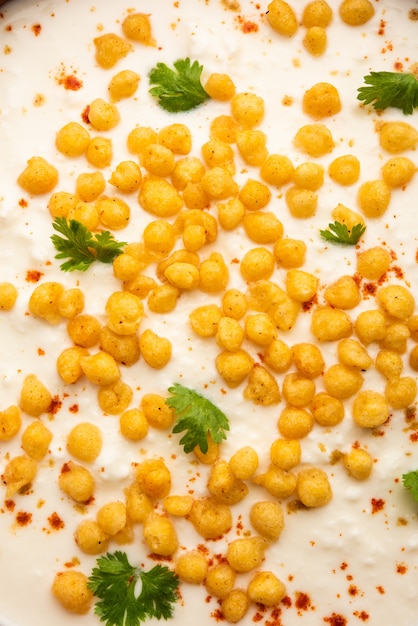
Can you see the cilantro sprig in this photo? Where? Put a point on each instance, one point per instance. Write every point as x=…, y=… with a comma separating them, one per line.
x=197, y=416
x=339, y=233
x=81, y=247
x=410, y=481
x=114, y=581
x=390, y=89
x=178, y=89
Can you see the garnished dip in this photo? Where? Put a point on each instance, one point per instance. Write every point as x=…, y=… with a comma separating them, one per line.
x=208, y=317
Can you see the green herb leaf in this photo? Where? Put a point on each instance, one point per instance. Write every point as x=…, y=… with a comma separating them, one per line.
x=339, y=233
x=179, y=89
x=197, y=416
x=390, y=89
x=410, y=481
x=81, y=247
x=114, y=580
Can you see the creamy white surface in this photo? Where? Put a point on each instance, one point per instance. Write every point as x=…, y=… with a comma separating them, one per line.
x=313, y=545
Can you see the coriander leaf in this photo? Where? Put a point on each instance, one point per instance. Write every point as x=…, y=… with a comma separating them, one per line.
x=179, y=89
x=114, y=579
x=81, y=247
x=339, y=233
x=197, y=416
x=106, y=246
x=390, y=89
x=159, y=591
x=75, y=244
x=410, y=481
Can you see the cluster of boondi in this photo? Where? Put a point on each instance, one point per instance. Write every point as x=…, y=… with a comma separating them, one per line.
x=315, y=18
x=172, y=184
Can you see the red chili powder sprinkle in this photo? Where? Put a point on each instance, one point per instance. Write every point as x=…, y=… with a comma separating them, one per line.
x=23, y=518
x=203, y=549
x=10, y=505
x=36, y=29
x=344, y=565
x=217, y=615
x=363, y=615
x=398, y=271
x=73, y=408
x=335, y=620
x=377, y=505
x=306, y=306
x=55, y=521
x=65, y=468
x=159, y=557
x=33, y=276
x=220, y=558
x=287, y=601
x=23, y=203
x=353, y=590
x=55, y=405
x=275, y=618
x=369, y=289
x=303, y=601
x=249, y=27
x=71, y=82
x=382, y=25
x=378, y=433
x=401, y=568
x=381, y=589
x=85, y=115
x=41, y=352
